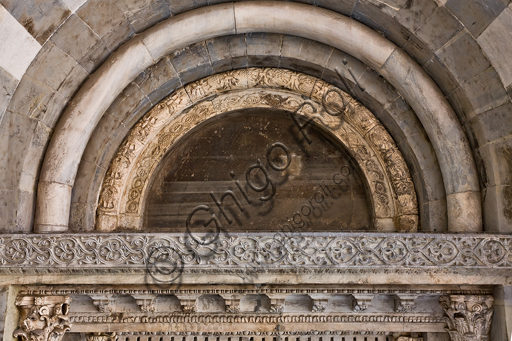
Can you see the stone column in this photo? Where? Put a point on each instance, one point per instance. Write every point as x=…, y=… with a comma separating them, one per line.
x=468, y=316
x=42, y=318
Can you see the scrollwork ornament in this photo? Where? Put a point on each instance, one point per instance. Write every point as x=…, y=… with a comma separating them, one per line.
x=42, y=320
x=468, y=316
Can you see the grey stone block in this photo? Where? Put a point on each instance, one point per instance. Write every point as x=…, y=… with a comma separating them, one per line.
x=148, y=16
x=118, y=36
x=8, y=200
x=348, y=67
x=263, y=49
x=498, y=45
x=95, y=57
x=16, y=134
x=151, y=81
x=40, y=18
x=76, y=39
x=485, y=91
x=371, y=16
x=101, y=16
x=441, y=75
x=476, y=15
x=192, y=63
x=220, y=52
x=398, y=34
x=461, y=104
x=418, y=50
x=126, y=102
x=51, y=66
x=30, y=98
x=53, y=110
x=463, y=57
x=7, y=88
x=502, y=154
x=100, y=137
x=485, y=165
x=33, y=155
x=439, y=28
x=341, y=6
x=304, y=55
x=180, y=6
x=414, y=13
x=498, y=209
x=73, y=81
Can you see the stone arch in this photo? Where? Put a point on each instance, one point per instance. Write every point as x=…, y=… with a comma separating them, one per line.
x=158, y=81
x=63, y=155
x=124, y=188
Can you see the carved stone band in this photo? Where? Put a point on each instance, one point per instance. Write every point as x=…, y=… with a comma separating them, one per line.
x=71, y=252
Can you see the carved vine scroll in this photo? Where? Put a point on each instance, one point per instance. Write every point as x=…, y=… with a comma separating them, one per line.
x=122, y=196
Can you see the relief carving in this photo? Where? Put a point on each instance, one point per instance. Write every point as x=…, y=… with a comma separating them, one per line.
x=468, y=316
x=122, y=194
x=43, y=318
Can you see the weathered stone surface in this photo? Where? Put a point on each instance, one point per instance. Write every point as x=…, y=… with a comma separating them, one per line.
x=227, y=52
x=72, y=82
x=418, y=50
x=74, y=4
x=462, y=63
x=30, y=98
x=414, y=13
x=158, y=81
x=180, y=6
x=498, y=46
x=9, y=84
x=489, y=125
x=76, y=39
x=476, y=15
x=439, y=28
x=341, y=6
x=372, y=16
x=123, y=106
x=263, y=48
x=441, y=75
x=40, y=19
x=192, y=63
x=485, y=92
x=101, y=16
x=148, y=16
x=17, y=45
x=304, y=55
x=51, y=66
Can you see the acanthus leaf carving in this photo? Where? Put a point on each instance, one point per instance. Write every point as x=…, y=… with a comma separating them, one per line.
x=468, y=316
x=43, y=318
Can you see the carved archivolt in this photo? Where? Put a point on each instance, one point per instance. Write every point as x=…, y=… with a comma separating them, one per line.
x=122, y=196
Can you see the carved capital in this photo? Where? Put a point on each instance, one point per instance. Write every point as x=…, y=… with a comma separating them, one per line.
x=468, y=316
x=101, y=336
x=43, y=318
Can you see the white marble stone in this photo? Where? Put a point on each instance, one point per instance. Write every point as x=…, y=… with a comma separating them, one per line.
x=17, y=47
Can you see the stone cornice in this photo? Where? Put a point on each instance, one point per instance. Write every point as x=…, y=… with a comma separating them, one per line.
x=257, y=252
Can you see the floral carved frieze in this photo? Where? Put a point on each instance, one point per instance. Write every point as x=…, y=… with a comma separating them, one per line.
x=260, y=252
x=123, y=192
